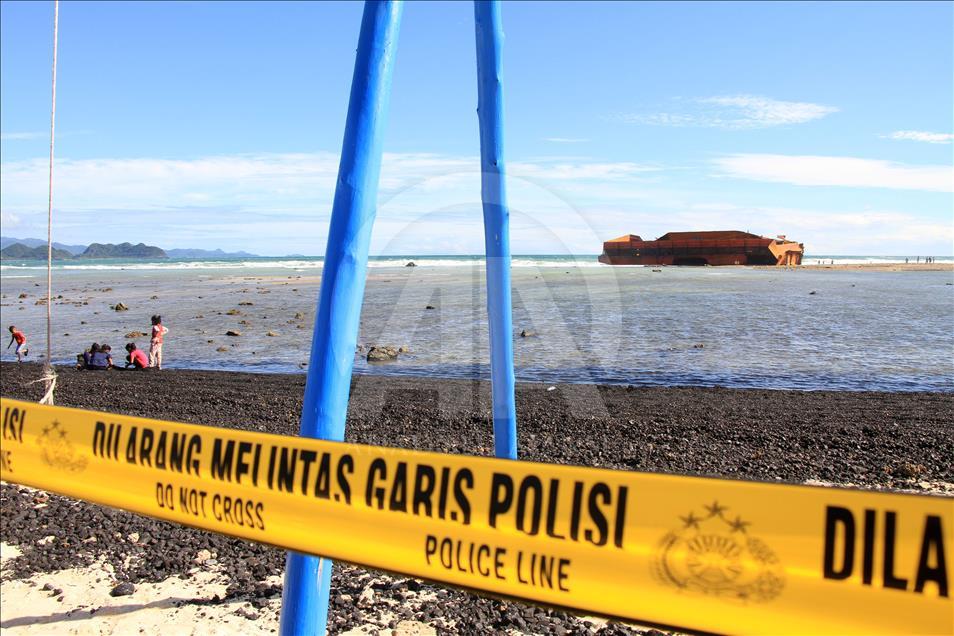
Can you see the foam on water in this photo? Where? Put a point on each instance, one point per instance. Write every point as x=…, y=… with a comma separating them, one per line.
x=301, y=264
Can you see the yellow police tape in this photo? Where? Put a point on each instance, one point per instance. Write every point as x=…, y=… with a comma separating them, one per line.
x=702, y=554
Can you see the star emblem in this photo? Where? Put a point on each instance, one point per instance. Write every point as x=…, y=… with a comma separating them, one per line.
x=715, y=510
x=738, y=525
x=691, y=521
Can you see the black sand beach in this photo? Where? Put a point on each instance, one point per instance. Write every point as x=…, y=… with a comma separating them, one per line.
x=866, y=439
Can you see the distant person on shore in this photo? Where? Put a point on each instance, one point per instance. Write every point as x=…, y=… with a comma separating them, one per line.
x=17, y=336
x=88, y=354
x=136, y=357
x=99, y=358
x=155, y=343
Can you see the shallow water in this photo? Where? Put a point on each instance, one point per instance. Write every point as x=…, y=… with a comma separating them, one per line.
x=859, y=330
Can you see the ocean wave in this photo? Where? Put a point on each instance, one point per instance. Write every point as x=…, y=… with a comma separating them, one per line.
x=867, y=260
x=304, y=264
x=479, y=261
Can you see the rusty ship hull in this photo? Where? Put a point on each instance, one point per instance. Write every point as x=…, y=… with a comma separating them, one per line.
x=729, y=247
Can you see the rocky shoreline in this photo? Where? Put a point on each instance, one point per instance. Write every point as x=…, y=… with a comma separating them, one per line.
x=867, y=439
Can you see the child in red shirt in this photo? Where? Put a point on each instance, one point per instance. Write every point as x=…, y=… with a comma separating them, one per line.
x=17, y=336
x=136, y=357
x=155, y=343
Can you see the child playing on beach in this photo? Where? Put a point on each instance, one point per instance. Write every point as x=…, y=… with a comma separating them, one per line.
x=155, y=344
x=136, y=357
x=88, y=355
x=17, y=336
x=99, y=358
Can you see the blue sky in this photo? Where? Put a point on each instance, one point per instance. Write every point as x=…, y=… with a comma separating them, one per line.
x=220, y=124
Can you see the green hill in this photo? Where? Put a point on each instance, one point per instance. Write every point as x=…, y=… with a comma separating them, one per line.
x=20, y=252
x=122, y=250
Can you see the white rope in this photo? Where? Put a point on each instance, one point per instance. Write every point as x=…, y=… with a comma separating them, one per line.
x=49, y=375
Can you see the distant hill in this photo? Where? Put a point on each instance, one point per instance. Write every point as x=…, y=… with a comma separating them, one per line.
x=194, y=253
x=19, y=251
x=123, y=250
x=6, y=241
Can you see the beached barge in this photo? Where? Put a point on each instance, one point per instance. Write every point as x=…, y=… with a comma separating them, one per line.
x=729, y=247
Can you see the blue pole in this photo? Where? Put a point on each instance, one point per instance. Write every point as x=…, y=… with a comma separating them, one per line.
x=308, y=579
x=496, y=223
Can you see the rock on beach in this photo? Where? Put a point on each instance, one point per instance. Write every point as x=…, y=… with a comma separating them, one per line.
x=382, y=354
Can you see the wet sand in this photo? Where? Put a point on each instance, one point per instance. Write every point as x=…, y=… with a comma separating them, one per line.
x=873, y=440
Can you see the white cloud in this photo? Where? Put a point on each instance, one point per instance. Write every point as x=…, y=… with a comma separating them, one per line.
x=735, y=112
x=19, y=136
x=811, y=170
x=580, y=171
x=565, y=140
x=920, y=135
x=428, y=203
x=149, y=184
x=9, y=219
x=282, y=202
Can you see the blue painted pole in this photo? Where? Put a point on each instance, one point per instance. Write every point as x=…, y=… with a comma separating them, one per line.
x=308, y=579
x=496, y=223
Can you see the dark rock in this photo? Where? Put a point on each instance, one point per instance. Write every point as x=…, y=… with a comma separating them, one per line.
x=382, y=354
x=411, y=264
x=120, y=307
x=232, y=332
x=430, y=307
x=123, y=589
x=526, y=333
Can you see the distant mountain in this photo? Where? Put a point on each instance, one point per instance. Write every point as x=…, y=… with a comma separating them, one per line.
x=123, y=250
x=19, y=251
x=194, y=253
x=6, y=241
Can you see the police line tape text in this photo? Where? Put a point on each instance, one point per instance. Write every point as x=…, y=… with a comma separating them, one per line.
x=525, y=568
x=577, y=511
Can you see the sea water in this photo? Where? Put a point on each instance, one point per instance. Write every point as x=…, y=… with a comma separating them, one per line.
x=810, y=329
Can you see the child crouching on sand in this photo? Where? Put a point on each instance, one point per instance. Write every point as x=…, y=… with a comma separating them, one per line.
x=155, y=344
x=136, y=357
x=99, y=358
x=22, y=348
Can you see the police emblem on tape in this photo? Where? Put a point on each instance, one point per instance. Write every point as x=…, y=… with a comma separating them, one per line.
x=713, y=553
x=57, y=450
